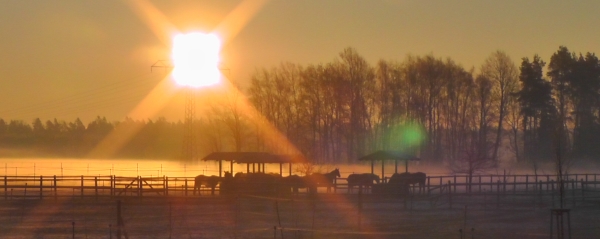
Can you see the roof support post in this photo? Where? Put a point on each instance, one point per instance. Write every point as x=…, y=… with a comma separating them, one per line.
x=382, y=170
x=220, y=168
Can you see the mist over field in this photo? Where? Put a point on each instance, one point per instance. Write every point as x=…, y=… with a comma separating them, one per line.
x=174, y=168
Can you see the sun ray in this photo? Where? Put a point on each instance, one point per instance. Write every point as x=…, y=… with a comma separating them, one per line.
x=235, y=21
x=158, y=23
x=146, y=109
x=228, y=29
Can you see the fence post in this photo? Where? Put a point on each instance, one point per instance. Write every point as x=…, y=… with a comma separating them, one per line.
x=96, y=186
x=552, y=192
x=55, y=191
x=527, y=183
x=186, y=187
x=455, y=183
x=484, y=200
x=583, y=190
x=41, y=186
x=140, y=186
x=119, y=223
x=514, y=184
x=360, y=205
x=479, y=183
x=498, y=195
x=81, y=185
x=428, y=186
x=167, y=185
x=540, y=192
x=112, y=185
x=450, y=194
x=573, y=190
x=5, y=188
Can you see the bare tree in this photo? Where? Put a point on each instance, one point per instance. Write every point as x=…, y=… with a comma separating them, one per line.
x=476, y=154
x=502, y=71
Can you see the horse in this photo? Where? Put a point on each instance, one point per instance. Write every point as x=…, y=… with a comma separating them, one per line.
x=363, y=179
x=256, y=182
x=208, y=181
x=326, y=180
x=227, y=183
x=410, y=179
x=294, y=182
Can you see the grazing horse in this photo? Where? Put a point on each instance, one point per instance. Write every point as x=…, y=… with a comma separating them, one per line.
x=323, y=180
x=294, y=182
x=255, y=182
x=411, y=179
x=208, y=181
x=363, y=179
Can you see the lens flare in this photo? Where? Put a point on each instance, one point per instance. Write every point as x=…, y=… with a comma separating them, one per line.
x=196, y=59
x=406, y=135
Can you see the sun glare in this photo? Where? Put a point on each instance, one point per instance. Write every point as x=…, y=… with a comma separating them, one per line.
x=196, y=58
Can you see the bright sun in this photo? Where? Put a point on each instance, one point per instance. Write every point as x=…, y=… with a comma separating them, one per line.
x=196, y=58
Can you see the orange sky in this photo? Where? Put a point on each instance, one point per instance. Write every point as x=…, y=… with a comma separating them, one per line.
x=71, y=58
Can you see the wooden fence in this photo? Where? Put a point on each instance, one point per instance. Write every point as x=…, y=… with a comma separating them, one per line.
x=95, y=186
x=116, y=186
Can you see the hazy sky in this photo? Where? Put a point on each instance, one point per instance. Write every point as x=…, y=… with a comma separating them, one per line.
x=81, y=58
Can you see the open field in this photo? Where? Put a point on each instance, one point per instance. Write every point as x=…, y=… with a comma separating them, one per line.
x=329, y=216
x=502, y=205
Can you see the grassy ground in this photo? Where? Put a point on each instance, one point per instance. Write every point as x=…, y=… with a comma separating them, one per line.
x=331, y=216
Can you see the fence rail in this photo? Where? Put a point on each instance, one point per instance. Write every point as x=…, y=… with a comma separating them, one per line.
x=111, y=185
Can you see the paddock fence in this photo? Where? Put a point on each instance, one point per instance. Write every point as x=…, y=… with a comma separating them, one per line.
x=578, y=187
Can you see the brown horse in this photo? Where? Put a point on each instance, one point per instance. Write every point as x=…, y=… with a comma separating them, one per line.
x=363, y=179
x=410, y=179
x=294, y=182
x=323, y=180
x=208, y=181
x=255, y=183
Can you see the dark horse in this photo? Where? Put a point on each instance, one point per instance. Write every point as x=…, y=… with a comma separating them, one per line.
x=363, y=179
x=411, y=179
x=251, y=183
x=323, y=180
x=294, y=182
x=208, y=181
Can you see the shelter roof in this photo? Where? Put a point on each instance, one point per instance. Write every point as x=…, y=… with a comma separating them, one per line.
x=250, y=157
x=388, y=155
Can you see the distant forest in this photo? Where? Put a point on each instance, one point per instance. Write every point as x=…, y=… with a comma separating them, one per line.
x=468, y=119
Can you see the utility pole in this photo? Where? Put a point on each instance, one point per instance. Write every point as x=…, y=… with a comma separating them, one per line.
x=189, y=150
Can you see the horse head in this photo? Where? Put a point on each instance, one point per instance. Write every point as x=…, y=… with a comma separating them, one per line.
x=376, y=178
x=336, y=172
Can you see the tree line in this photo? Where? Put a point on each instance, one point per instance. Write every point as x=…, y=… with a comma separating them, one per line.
x=54, y=138
x=468, y=119
x=335, y=112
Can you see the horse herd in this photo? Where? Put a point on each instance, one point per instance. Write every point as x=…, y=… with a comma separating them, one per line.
x=264, y=183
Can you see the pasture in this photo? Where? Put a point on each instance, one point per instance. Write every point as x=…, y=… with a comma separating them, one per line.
x=516, y=207
x=504, y=205
x=328, y=216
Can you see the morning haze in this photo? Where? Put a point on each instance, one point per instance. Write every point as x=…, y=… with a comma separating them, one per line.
x=303, y=118
x=53, y=50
